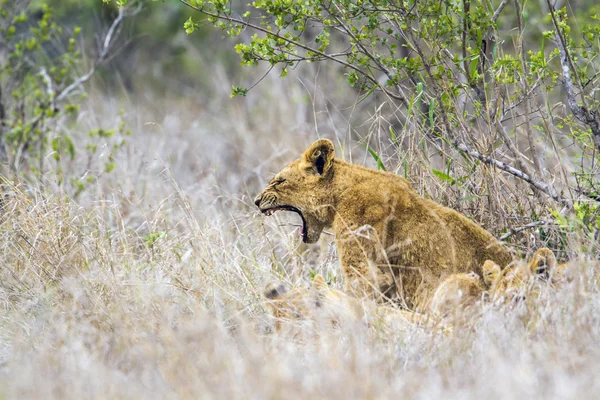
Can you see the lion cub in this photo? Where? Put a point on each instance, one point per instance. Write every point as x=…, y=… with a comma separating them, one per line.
x=456, y=293
x=393, y=243
x=322, y=304
x=520, y=278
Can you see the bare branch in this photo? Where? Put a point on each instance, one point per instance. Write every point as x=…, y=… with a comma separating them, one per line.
x=582, y=113
x=512, y=231
x=525, y=69
x=541, y=186
x=109, y=41
x=49, y=87
x=499, y=10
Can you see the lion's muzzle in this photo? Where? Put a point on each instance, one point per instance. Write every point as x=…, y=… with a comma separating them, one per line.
x=257, y=200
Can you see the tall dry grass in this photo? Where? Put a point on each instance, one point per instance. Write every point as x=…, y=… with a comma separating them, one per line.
x=149, y=283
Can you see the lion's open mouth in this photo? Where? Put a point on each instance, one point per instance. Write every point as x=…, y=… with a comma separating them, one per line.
x=303, y=231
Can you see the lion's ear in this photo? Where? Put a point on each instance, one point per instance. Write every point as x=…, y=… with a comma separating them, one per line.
x=320, y=155
x=274, y=290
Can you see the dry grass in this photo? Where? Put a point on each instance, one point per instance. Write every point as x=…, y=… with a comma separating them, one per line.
x=149, y=284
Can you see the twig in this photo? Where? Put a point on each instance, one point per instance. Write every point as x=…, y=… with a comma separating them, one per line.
x=262, y=77
x=107, y=45
x=49, y=87
x=513, y=231
x=499, y=10
x=597, y=74
x=582, y=113
x=527, y=99
x=590, y=194
x=541, y=186
x=2, y=123
x=512, y=147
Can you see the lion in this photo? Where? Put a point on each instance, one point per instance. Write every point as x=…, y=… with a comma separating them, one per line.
x=394, y=245
x=514, y=282
x=457, y=292
x=544, y=264
x=521, y=278
x=321, y=304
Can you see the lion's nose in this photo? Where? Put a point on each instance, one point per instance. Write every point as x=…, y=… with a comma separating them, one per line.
x=257, y=200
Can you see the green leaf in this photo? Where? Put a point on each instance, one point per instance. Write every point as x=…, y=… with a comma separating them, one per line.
x=190, y=26
x=151, y=238
x=443, y=176
x=238, y=91
x=375, y=156
x=393, y=135
x=431, y=110
x=419, y=95
x=363, y=97
x=70, y=146
x=410, y=107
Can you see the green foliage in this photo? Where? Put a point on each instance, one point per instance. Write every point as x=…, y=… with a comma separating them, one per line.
x=376, y=157
x=238, y=91
x=152, y=238
x=444, y=176
x=39, y=96
x=30, y=80
x=585, y=222
x=330, y=278
x=421, y=48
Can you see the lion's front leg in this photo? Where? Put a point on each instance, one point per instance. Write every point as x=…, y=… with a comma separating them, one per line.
x=364, y=278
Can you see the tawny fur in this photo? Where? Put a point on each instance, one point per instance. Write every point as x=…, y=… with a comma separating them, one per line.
x=521, y=278
x=321, y=304
x=456, y=292
x=516, y=281
x=392, y=242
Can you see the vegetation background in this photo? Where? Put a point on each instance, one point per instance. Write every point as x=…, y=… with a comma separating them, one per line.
x=133, y=259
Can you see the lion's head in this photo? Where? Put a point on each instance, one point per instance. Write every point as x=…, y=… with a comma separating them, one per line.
x=304, y=187
x=288, y=306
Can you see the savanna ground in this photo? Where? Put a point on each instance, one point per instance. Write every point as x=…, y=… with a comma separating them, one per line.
x=148, y=283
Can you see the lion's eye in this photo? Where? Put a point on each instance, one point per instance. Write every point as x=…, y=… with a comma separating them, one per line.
x=278, y=181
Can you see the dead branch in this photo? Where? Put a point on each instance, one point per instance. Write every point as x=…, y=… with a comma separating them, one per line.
x=107, y=46
x=589, y=117
x=535, y=224
x=541, y=186
x=527, y=99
